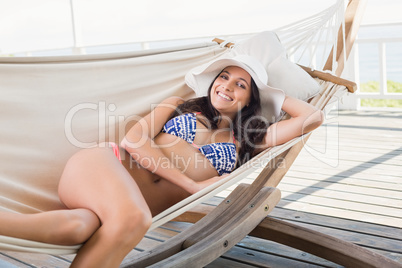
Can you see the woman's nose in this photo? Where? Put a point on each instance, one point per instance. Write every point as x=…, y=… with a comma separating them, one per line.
x=227, y=86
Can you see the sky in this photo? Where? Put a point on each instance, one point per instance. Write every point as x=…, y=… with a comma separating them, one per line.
x=46, y=24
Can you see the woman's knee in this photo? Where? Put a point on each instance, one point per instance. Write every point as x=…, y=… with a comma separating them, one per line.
x=75, y=226
x=136, y=220
x=128, y=228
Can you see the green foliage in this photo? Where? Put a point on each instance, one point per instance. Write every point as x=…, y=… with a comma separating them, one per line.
x=371, y=86
x=374, y=87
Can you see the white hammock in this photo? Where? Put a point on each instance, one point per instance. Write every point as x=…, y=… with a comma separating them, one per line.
x=53, y=106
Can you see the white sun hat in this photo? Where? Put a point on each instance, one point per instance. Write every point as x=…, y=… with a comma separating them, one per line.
x=200, y=79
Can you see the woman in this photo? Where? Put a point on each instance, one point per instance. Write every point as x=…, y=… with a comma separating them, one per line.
x=175, y=151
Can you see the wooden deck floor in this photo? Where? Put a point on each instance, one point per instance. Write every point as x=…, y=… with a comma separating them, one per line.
x=347, y=182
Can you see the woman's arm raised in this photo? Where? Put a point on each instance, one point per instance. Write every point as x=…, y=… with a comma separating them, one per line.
x=304, y=118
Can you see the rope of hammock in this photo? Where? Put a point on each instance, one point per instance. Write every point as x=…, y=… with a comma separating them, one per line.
x=319, y=29
x=308, y=34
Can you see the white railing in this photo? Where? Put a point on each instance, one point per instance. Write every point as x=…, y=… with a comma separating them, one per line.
x=353, y=70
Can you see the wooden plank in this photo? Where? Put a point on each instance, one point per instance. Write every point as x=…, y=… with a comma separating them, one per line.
x=368, y=229
x=347, y=134
x=320, y=244
x=68, y=258
x=332, y=222
x=341, y=213
x=293, y=180
x=371, y=129
x=346, y=142
x=392, y=246
x=162, y=233
x=320, y=143
x=224, y=262
x=366, y=122
x=346, y=188
x=347, y=129
x=273, y=248
x=376, y=164
x=386, y=162
x=346, y=138
x=263, y=259
x=361, y=182
x=390, y=149
x=391, y=159
x=356, y=172
x=377, y=172
x=353, y=16
x=9, y=262
x=36, y=260
x=351, y=86
x=290, y=186
x=297, y=171
x=288, y=189
x=149, y=242
x=343, y=204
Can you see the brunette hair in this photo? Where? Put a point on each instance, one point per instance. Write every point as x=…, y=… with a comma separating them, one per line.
x=249, y=126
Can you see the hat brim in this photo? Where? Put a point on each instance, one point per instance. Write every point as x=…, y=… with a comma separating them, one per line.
x=271, y=98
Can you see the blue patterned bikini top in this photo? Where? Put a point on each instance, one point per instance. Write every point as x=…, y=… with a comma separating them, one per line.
x=222, y=155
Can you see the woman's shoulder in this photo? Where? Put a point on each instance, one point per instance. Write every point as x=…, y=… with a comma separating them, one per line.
x=174, y=100
x=168, y=105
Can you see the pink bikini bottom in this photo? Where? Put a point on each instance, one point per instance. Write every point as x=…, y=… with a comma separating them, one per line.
x=116, y=150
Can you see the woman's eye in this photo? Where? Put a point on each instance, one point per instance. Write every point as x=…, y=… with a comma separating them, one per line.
x=224, y=77
x=241, y=85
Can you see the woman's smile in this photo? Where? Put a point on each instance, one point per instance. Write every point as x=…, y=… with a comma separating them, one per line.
x=224, y=96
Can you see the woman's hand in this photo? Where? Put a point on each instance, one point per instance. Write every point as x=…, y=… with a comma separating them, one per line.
x=199, y=185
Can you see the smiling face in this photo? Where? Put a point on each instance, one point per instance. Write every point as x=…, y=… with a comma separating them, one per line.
x=231, y=91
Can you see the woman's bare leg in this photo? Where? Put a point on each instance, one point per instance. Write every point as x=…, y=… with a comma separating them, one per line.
x=95, y=180
x=61, y=227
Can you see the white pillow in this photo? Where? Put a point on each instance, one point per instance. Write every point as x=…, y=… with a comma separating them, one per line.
x=264, y=46
x=292, y=79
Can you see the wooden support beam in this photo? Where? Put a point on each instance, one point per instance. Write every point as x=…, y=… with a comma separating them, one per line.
x=231, y=221
x=319, y=244
x=353, y=17
x=219, y=240
x=351, y=86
